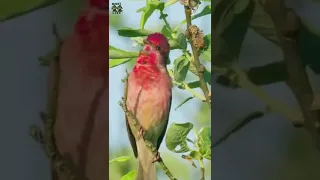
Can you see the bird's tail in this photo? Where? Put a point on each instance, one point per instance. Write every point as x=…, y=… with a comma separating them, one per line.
x=146, y=169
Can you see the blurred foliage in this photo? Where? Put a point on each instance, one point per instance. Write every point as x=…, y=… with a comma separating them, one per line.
x=14, y=8
x=231, y=21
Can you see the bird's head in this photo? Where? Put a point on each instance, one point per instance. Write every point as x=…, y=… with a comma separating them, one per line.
x=157, y=48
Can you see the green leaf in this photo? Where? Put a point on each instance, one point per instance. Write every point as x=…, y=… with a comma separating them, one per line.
x=240, y=6
x=173, y=44
x=166, y=32
x=182, y=41
x=179, y=43
x=183, y=102
x=143, y=9
x=170, y=2
x=120, y=159
x=206, y=53
x=194, y=84
x=177, y=136
x=204, y=142
x=262, y=24
x=205, y=11
x=131, y=175
x=195, y=155
x=181, y=67
x=116, y=62
x=129, y=32
x=14, y=8
x=148, y=11
x=207, y=75
x=115, y=53
x=229, y=31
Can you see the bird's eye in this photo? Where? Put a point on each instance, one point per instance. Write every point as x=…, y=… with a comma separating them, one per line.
x=158, y=48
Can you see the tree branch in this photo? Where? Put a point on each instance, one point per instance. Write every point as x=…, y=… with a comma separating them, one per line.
x=287, y=25
x=239, y=124
x=239, y=77
x=200, y=68
x=261, y=75
x=59, y=164
x=134, y=122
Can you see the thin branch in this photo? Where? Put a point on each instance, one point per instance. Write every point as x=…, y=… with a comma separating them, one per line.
x=59, y=164
x=200, y=68
x=287, y=25
x=240, y=78
x=185, y=86
x=237, y=125
x=202, y=169
x=261, y=75
x=38, y=7
x=163, y=16
x=135, y=123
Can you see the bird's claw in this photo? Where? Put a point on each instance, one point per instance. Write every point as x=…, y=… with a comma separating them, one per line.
x=141, y=132
x=157, y=158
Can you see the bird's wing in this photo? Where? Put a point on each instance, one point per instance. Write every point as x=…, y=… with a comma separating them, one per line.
x=130, y=134
x=165, y=128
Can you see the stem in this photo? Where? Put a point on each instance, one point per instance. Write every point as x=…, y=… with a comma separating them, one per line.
x=186, y=87
x=189, y=140
x=274, y=105
x=58, y=163
x=287, y=25
x=237, y=125
x=200, y=68
x=133, y=121
x=165, y=21
x=178, y=26
x=38, y=7
x=202, y=169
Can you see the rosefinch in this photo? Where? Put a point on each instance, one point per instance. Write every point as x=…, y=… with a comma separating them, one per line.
x=81, y=128
x=149, y=99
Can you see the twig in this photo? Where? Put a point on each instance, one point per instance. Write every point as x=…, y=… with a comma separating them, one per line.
x=239, y=77
x=185, y=86
x=260, y=75
x=287, y=25
x=40, y=6
x=59, y=164
x=163, y=16
x=202, y=169
x=197, y=64
x=133, y=121
x=237, y=125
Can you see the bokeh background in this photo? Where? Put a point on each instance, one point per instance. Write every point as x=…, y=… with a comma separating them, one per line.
x=268, y=149
x=193, y=111
x=23, y=90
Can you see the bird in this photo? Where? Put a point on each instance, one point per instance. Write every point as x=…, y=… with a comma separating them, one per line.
x=149, y=96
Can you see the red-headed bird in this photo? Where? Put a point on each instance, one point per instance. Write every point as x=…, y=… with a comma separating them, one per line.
x=149, y=99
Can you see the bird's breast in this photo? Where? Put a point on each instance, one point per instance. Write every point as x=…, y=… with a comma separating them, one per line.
x=149, y=99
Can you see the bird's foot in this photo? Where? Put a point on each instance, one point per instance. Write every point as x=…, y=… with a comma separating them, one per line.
x=141, y=132
x=157, y=158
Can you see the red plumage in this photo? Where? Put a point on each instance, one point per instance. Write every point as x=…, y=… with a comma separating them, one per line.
x=149, y=98
x=81, y=129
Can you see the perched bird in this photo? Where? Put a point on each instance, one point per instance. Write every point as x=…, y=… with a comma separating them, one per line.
x=149, y=99
x=81, y=127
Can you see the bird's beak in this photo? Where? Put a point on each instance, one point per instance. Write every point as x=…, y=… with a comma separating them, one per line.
x=145, y=53
x=146, y=42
